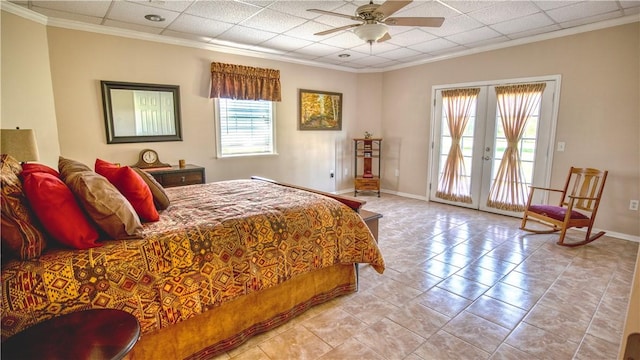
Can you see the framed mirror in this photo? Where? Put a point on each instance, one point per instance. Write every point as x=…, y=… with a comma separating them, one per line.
x=135, y=112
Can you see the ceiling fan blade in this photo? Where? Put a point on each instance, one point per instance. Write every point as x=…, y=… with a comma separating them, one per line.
x=385, y=37
x=330, y=31
x=330, y=13
x=391, y=6
x=415, y=21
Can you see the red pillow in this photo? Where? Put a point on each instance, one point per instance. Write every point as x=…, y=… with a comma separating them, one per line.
x=132, y=186
x=33, y=168
x=56, y=208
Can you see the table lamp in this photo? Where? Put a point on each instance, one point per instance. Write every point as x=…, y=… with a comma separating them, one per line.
x=19, y=143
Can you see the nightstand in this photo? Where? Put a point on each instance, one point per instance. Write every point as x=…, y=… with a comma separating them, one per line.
x=371, y=219
x=178, y=176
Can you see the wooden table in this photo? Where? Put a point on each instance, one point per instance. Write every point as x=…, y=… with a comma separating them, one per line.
x=88, y=334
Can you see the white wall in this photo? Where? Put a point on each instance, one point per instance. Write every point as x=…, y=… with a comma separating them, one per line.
x=27, y=92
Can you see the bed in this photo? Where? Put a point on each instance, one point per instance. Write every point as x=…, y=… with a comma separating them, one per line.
x=226, y=261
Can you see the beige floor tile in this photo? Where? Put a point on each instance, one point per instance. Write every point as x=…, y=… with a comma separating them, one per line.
x=334, y=326
x=443, y=346
x=419, y=319
x=480, y=275
x=496, y=311
x=389, y=339
x=568, y=325
x=477, y=331
x=296, y=343
x=506, y=352
x=464, y=287
x=253, y=353
x=396, y=292
x=513, y=295
x=351, y=349
x=443, y=301
x=367, y=307
x=540, y=343
x=596, y=348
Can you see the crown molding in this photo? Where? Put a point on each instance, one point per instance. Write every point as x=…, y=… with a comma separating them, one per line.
x=23, y=12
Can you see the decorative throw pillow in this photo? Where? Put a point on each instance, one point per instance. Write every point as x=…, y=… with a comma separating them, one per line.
x=57, y=209
x=21, y=234
x=68, y=167
x=160, y=197
x=105, y=205
x=38, y=168
x=131, y=185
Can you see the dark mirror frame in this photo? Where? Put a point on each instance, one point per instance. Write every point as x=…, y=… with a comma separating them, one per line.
x=107, y=105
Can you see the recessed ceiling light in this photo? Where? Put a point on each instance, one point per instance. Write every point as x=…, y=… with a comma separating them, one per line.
x=153, y=17
x=344, y=55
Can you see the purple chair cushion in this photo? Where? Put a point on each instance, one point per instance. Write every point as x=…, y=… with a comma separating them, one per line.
x=555, y=212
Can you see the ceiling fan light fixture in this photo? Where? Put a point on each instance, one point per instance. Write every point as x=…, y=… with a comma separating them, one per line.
x=370, y=32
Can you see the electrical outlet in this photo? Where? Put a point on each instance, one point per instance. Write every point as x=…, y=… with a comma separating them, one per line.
x=346, y=171
x=560, y=146
x=332, y=174
x=633, y=205
x=397, y=172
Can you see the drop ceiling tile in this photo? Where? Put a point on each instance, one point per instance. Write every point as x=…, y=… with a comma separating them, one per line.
x=469, y=6
x=375, y=48
x=134, y=13
x=299, y=8
x=285, y=43
x=91, y=8
x=410, y=37
x=174, y=5
x=227, y=11
x=554, y=4
x=68, y=16
x=318, y=50
x=348, y=9
x=533, y=32
x=306, y=31
x=273, y=21
x=503, y=11
x=530, y=22
x=245, y=35
x=134, y=27
x=399, y=54
x=188, y=36
x=486, y=42
x=591, y=19
x=475, y=35
x=582, y=10
x=433, y=45
x=426, y=9
x=186, y=23
x=455, y=25
x=629, y=4
x=631, y=11
x=448, y=51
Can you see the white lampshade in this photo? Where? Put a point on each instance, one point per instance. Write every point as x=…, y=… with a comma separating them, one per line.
x=19, y=143
x=370, y=32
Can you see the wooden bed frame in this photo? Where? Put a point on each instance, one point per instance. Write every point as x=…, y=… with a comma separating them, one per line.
x=231, y=324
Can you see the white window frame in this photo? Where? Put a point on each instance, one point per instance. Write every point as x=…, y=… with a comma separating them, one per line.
x=219, y=134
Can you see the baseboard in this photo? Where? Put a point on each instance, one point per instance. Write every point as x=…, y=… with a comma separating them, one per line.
x=609, y=233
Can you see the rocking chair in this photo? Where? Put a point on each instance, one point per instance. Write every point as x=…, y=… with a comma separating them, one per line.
x=578, y=205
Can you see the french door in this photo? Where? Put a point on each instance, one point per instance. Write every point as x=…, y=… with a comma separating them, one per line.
x=480, y=159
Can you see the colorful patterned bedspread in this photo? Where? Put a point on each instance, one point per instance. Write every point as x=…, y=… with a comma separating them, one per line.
x=214, y=243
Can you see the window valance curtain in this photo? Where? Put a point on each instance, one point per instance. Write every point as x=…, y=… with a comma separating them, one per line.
x=240, y=82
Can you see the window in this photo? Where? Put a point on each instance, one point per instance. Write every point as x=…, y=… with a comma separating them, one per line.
x=245, y=127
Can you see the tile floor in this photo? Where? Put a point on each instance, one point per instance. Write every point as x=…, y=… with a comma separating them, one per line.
x=463, y=284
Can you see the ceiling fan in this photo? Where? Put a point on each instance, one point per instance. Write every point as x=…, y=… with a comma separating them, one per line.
x=374, y=19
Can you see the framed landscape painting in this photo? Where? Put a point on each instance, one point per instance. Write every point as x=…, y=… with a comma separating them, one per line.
x=320, y=110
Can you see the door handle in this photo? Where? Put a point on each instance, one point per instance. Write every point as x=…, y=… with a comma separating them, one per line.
x=487, y=157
